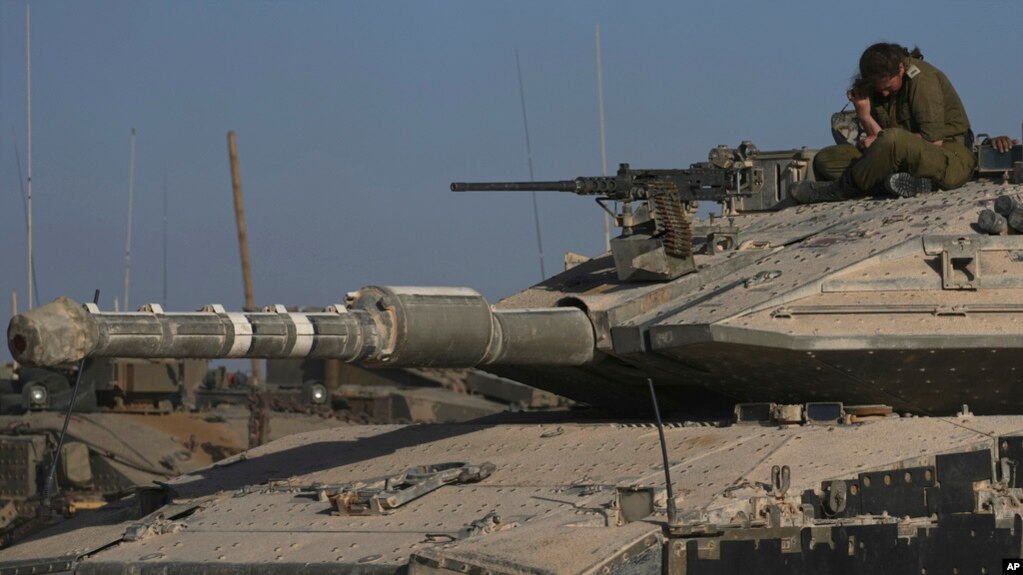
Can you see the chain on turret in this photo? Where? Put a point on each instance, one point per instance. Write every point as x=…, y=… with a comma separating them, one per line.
x=670, y=219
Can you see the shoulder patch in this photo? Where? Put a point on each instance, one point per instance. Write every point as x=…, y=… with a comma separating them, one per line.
x=912, y=71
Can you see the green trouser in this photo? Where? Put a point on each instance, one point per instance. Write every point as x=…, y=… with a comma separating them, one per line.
x=897, y=150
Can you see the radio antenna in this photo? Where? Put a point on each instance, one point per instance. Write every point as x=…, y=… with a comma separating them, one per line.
x=603, y=146
x=165, y=240
x=28, y=116
x=127, y=248
x=24, y=205
x=49, y=485
x=672, y=512
x=529, y=158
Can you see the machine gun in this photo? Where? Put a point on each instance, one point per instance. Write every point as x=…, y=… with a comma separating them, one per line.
x=656, y=242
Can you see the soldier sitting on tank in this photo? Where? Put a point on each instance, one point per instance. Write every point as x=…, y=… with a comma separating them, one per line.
x=917, y=134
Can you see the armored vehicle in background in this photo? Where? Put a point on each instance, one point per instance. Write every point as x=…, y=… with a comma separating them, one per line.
x=132, y=425
x=113, y=384
x=842, y=383
x=105, y=457
x=413, y=395
x=143, y=420
x=122, y=436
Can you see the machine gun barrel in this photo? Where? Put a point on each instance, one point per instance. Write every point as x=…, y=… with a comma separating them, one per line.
x=390, y=326
x=695, y=183
x=555, y=186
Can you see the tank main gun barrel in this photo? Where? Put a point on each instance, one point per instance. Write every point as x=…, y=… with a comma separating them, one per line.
x=387, y=326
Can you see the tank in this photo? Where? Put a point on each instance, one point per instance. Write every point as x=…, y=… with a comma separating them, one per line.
x=841, y=384
x=137, y=421
x=134, y=422
x=114, y=446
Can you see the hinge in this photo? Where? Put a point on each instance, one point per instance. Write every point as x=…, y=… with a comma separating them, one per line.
x=960, y=264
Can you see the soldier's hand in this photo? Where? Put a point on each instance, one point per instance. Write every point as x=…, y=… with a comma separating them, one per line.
x=1002, y=144
x=867, y=142
x=860, y=101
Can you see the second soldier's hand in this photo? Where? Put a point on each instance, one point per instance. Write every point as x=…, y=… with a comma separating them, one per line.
x=1003, y=144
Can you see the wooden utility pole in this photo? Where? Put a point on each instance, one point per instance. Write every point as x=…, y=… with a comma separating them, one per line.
x=243, y=239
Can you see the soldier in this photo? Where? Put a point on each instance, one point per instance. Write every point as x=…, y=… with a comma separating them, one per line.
x=918, y=135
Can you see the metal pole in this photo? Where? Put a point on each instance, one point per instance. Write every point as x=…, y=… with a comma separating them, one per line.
x=164, y=300
x=127, y=247
x=529, y=157
x=28, y=114
x=14, y=310
x=664, y=455
x=49, y=485
x=24, y=207
x=603, y=147
x=243, y=238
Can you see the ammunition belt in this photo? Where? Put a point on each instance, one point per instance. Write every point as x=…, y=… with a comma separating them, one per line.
x=671, y=222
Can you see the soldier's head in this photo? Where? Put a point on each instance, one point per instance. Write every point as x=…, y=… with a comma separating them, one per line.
x=883, y=66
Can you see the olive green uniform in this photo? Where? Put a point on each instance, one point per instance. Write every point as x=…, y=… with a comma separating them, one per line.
x=926, y=109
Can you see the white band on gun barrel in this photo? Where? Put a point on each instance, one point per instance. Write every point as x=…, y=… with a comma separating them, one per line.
x=242, y=334
x=303, y=335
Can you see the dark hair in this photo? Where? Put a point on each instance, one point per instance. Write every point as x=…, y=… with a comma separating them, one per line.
x=882, y=61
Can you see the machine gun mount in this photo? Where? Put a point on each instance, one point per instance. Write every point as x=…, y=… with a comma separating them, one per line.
x=654, y=207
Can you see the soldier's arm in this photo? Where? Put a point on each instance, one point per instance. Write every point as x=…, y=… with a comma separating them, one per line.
x=927, y=104
x=863, y=114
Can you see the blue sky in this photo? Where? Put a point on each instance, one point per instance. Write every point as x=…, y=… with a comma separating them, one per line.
x=353, y=118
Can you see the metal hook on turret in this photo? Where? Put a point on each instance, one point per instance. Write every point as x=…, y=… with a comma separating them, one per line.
x=781, y=477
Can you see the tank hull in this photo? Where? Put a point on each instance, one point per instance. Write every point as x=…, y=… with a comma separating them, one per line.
x=571, y=497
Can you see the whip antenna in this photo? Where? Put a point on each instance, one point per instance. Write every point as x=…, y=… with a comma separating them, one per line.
x=664, y=455
x=529, y=158
x=127, y=243
x=48, y=488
